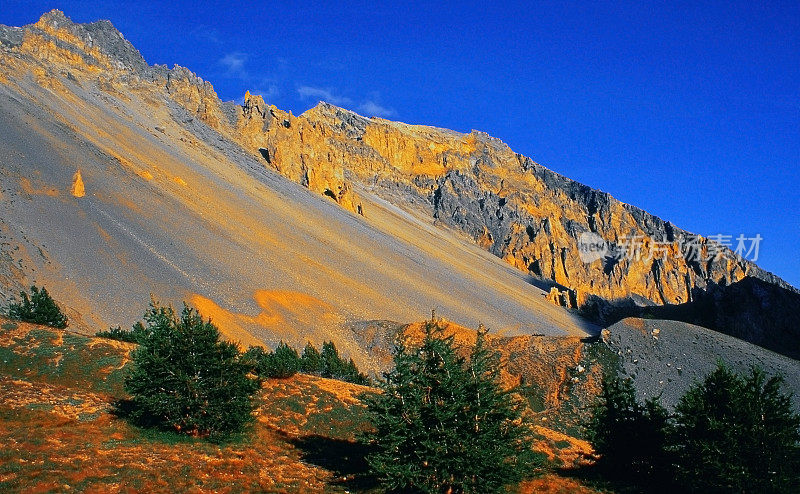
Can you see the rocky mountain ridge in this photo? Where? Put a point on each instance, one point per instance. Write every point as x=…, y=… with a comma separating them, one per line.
x=117, y=186
x=527, y=215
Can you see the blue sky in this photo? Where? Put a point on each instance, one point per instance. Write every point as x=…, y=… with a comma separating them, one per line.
x=690, y=110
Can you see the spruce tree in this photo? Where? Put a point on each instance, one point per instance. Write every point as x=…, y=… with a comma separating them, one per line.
x=185, y=379
x=737, y=434
x=311, y=361
x=444, y=423
x=630, y=437
x=38, y=308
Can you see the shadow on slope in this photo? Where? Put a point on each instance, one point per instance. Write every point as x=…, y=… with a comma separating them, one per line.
x=751, y=309
x=346, y=459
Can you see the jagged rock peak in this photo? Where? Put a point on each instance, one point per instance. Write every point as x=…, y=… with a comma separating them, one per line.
x=327, y=109
x=56, y=18
x=82, y=38
x=251, y=99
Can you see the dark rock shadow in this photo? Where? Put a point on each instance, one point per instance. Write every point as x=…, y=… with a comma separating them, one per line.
x=621, y=482
x=751, y=309
x=122, y=408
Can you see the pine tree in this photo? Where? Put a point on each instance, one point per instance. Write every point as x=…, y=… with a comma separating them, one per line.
x=184, y=378
x=630, y=438
x=443, y=423
x=38, y=308
x=311, y=361
x=737, y=434
x=282, y=363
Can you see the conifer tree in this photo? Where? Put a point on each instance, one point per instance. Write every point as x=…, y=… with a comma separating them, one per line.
x=282, y=363
x=444, y=424
x=352, y=374
x=38, y=308
x=332, y=365
x=184, y=378
x=311, y=361
x=117, y=333
x=737, y=434
x=255, y=358
x=630, y=438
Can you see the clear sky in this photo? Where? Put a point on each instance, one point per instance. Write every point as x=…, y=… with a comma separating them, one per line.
x=690, y=110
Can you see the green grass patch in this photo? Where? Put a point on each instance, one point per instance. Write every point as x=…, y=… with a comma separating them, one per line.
x=562, y=444
x=9, y=326
x=67, y=361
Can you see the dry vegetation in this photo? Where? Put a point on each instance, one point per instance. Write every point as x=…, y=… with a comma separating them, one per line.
x=60, y=430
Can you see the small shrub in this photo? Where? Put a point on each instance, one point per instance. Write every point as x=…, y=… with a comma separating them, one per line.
x=133, y=335
x=38, y=308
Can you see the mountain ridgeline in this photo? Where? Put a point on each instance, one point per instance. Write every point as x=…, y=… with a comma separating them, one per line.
x=530, y=217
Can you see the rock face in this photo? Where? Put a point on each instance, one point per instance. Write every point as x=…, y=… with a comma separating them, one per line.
x=751, y=309
x=520, y=211
x=534, y=219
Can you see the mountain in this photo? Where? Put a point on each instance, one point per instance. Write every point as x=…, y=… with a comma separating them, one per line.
x=121, y=180
x=124, y=180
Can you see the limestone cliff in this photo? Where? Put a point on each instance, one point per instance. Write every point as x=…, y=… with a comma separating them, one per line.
x=517, y=209
x=511, y=206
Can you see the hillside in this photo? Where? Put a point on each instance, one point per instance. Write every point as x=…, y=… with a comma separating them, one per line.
x=123, y=179
x=665, y=357
x=560, y=376
x=123, y=182
x=58, y=424
x=171, y=206
x=58, y=418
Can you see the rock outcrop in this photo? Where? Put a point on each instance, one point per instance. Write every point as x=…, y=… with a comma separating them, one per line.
x=531, y=217
x=520, y=211
x=78, y=189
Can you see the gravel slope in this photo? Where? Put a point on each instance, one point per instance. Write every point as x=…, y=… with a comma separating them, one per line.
x=181, y=213
x=666, y=357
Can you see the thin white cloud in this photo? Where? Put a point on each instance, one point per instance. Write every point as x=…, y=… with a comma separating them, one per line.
x=373, y=109
x=267, y=92
x=206, y=34
x=324, y=94
x=234, y=62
